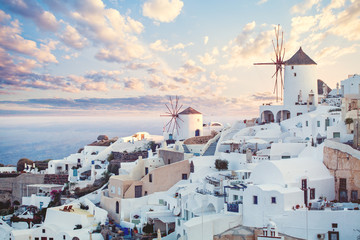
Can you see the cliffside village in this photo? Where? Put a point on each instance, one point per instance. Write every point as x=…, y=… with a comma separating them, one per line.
x=291, y=173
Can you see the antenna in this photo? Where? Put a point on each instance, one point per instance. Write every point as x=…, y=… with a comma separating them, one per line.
x=279, y=61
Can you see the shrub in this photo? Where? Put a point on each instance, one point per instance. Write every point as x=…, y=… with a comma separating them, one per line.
x=221, y=164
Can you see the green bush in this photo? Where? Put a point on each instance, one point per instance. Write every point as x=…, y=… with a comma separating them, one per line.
x=221, y=164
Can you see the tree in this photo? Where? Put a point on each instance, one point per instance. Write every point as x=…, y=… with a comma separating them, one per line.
x=349, y=121
x=221, y=164
x=21, y=164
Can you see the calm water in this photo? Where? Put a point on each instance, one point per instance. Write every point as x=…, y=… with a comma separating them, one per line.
x=39, y=138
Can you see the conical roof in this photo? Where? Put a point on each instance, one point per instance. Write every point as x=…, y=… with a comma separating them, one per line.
x=300, y=58
x=190, y=110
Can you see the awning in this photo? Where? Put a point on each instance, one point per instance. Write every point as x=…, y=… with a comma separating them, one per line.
x=167, y=219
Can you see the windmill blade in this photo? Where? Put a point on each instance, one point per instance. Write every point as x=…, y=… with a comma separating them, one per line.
x=177, y=100
x=179, y=109
x=180, y=118
x=166, y=115
x=168, y=108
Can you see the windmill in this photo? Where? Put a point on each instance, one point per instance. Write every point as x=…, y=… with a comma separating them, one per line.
x=278, y=62
x=173, y=112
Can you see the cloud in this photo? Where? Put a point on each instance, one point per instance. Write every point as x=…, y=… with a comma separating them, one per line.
x=261, y=2
x=304, y=6
x=207, y=59
x=116, y=34
x=133, y=84
x=206, y=39
x=31, y=9
x=247, y=47
x=162, y=10
x=161, y=46
x=10, y=39
x=72, y=38
x=263, y=96
x=189, y=69
x=328, y=55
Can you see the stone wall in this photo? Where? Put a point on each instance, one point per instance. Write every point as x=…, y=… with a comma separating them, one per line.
x=170, y=157
x=343, y=165
x=56, y=179
x=129, y=157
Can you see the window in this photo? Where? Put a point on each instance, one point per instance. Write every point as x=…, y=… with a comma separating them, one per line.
x=43, y=231
x=184, y=176
x=112, y=189
x=169, y=161
x=318, y=123
x=292, y=67
x=145, y=193
x=64, y=237
x=336, y=134
x=312, y=193
x=119, y=191
x=294, y=74
x=255, y=200
x=303, y=184
x=235, y=197
x=51, y=238
x=36, y=238
x=146, y=170
x=150, y=177
x=117, y=207
x=273, y=200
x=307, y=123
x=298, y=114
x=354, y=195
x=333, y=235
x=342, y=183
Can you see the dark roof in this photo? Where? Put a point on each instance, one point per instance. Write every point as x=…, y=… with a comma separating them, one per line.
x=190, y=110
x=300, y=58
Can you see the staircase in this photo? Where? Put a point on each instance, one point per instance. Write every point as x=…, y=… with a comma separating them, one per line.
x=210, y=151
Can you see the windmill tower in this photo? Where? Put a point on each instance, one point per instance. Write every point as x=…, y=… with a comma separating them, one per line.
x=182, y=125
x=298, y=87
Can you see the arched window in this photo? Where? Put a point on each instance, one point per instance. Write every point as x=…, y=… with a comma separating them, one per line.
x=117, y=207
x=197, y=132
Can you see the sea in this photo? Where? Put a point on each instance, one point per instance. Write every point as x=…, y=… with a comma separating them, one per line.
x=55, y=137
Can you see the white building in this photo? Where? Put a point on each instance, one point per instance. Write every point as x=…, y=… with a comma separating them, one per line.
x=190, y=124
x=300, y=90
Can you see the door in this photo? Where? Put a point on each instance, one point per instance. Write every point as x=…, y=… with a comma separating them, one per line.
x=138, y=191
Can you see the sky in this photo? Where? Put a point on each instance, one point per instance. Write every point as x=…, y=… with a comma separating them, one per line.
x=126, y=57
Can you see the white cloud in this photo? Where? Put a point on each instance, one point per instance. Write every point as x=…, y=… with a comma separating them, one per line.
x=304, y=6
x=162, y=10
x=207, y=59
x=206, y=39
x=72, y=38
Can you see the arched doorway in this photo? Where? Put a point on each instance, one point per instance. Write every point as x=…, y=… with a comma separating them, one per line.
x=285, y=115
x=197, y=132
x=267, y=116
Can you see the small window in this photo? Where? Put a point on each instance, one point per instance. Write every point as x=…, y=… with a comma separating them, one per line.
x=307, y=123
x=273, y=200
x=150, y=177
x=51, y=238
x=318, y=123
x=117, y=207
x=303, y=184
x=354, y=195
x=312, y=193
x=294, y=74
x=292, y=67
x=342, y=184
x=36, y=238
x=146, y=170
x=336, y=134
x=64, y=237
x=169, y=161
x=184, y=176
x=255, y=200
x=43, y=231
x=235, y=197
x=145, y=193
